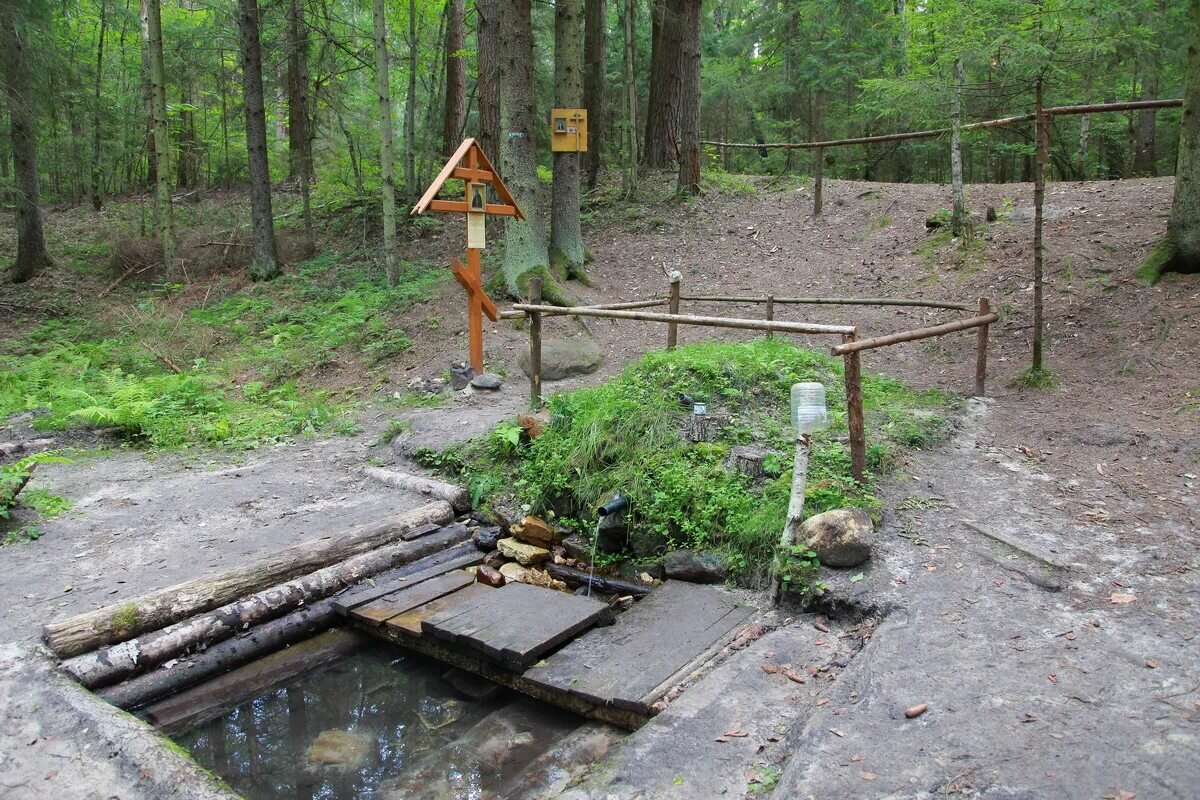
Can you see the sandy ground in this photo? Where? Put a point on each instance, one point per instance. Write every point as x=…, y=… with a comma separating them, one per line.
x=1101, y=471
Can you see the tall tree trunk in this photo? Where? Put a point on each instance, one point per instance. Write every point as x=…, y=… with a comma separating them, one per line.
x=662, y=111
x=631, y=132
x=488, y=84
x=566, y=236
x=689, y=97
x=1145, y=155
x=595, y=60
x=264, y=261
x=959, y=223
x=818, y=135
x=299, y=140
x=386, y=162
x=164, y=215
x=148, y=106
x=903, y=157
x=410, y=107
x=97, y=170
x=456, y=76
x=525, y=253
x=1183, y=229
x=1085, y=130
x=31, y=241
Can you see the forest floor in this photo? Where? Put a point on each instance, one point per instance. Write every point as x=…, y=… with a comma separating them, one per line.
x=1099, y=469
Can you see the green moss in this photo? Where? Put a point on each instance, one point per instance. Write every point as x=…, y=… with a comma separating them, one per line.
x=1156, y=262
x=629, y=435
x=125, y=618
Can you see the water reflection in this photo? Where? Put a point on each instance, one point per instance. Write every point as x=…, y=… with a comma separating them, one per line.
x=376, y=726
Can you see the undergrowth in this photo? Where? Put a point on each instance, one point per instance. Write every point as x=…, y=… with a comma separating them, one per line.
x=235, y=373
x=628, y=435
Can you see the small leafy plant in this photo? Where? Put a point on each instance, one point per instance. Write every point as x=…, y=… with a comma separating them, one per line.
x=799, y=571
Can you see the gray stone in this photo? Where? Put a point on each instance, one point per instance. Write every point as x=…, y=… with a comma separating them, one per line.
x=486, y=381
x=485, y=538
x=460, y=376
x=577, y=547
x=697, y=566
x=840, y=538
x=566, y=358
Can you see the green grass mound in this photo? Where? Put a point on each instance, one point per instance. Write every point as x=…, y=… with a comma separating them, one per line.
x=629, y=435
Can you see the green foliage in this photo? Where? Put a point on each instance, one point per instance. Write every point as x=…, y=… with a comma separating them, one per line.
x=1036, y=378
x=716, y=179
x=13, y=480
x=249, y=385
x=628, y=435
x=799, y=571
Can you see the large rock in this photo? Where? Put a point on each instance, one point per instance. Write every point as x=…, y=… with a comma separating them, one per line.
x=522, y=552
x=489, y=576
x=566, y=358
x=485, y=537
x=840, y=538
x=534, y=530
x=697, y=566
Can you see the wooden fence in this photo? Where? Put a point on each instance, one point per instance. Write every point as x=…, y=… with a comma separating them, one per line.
x=849, y=349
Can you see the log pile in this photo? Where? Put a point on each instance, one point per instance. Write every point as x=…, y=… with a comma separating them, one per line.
x=146, y=648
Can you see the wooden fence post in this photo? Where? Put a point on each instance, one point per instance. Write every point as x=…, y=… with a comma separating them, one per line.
x=854, y=411
x=818, y=181
x=981, y=343
x=770, y=313
x=535, y=345
x=673, y=308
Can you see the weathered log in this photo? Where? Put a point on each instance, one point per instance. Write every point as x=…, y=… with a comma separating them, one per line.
x=106, y=667
x=222, y=657
x=577, y=577
x=454, y=495
x=857, y=345
x=127, y=619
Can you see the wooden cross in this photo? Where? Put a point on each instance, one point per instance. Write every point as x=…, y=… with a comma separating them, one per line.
x=470, y=165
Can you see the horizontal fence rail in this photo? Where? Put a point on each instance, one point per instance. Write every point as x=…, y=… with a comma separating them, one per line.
x=566, y=310
x=690, y=319
x=914, y=335
x=1054, y=111
x=832, y=301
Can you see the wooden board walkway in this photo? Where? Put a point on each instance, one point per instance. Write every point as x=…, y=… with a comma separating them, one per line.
x=614, y=673
x=630, y=664
x=516, y=624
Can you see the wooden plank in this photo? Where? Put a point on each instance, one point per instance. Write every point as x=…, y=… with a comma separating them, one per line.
x=409, y=623
x=472, y=662
x=516, y=624
x=424, y=530
x=464, y=555
x=381, y=609
x=442, y=176
x=625, y=663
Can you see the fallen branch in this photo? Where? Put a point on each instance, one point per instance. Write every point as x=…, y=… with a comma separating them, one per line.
x=125, y=620
x=1048, y=560
x=116, y=663
x=134, y=270
x=454, y=495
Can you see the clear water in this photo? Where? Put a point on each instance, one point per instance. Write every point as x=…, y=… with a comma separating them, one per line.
x=379, y=724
